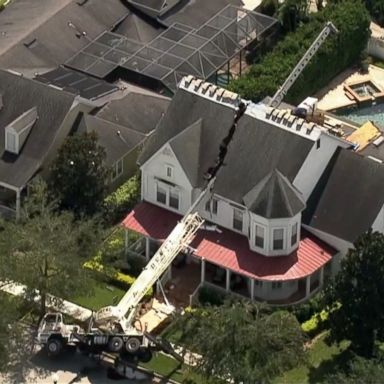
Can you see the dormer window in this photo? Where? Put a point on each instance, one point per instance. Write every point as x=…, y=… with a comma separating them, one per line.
x=18, y=130
x=11, y=141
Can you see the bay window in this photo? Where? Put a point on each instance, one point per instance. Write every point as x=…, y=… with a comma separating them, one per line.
x=259, y=236
x=278, y=239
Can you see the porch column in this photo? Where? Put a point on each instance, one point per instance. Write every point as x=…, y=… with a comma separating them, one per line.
x=126, y=240
x=202, y=270
x=252, y=289
x=321, y=279
x=228, y=281
x=18, y=193
x=147, y=249
x=308, y=286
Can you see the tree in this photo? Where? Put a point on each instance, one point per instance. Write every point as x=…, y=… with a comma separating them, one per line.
x=358, y=290
x=78, y=174
x=336, y=54
x=47, y=249
x=359, y=371
x=241, y=341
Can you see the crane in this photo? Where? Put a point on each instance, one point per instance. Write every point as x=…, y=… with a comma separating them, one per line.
x=282, y=91
x=112, y=328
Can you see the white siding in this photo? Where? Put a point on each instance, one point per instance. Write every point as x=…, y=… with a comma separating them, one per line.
x=315, y=164
x=341, y=245
x=156, y=169
x=266, y=292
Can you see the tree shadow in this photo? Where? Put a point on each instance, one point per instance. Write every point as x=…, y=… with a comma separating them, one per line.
x=331, y=366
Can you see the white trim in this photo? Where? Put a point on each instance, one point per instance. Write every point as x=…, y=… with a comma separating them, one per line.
x=115, y=168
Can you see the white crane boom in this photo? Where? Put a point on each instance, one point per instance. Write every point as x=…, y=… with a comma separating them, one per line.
x=282, y=91
x=180, y=238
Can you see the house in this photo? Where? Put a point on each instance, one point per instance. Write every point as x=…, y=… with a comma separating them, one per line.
x=39, y=35
x=287, y=203
x=34, y=120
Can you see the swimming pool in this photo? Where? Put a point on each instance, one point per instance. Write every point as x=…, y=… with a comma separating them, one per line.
x=361, y=115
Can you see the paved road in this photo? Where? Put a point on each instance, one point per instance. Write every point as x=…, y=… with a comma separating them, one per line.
x=40, y=370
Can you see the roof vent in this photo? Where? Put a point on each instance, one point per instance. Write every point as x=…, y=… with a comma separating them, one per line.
x=378, y=141
x=32, y=43
x=82, y=2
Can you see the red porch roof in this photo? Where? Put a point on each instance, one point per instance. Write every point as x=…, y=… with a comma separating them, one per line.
x=231, y=250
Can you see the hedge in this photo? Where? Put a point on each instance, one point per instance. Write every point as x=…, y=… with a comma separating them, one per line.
x=120, y=202
x=117, y=278
x=336, y=54
x=317, y=323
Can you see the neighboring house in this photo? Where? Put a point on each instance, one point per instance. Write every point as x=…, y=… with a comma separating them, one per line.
x=34, y=120
x=122, y=146
x=122, y=126
x=36, y=36
x=276, y=167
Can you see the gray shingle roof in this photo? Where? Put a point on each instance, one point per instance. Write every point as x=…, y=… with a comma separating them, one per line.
x=197, y=12
x=116, y=139
x=256, y=149
x=189, y=142
x=140, y=112
x=274, y=197
x=51, y=39
x=20, y=95
x=348, y=196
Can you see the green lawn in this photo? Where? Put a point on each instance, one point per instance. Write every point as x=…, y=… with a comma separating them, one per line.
x=172, y=369
x=103, y=295
x=322, y=360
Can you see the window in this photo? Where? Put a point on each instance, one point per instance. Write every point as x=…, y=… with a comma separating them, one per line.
x=168, y=195
x=11, y=142
x=211, y=206
x=278, y=239
x=169, y=171
x=237, y=219
x=277, y=284
x=258, y=283
x=259, y=236
x=161, y=195
x=117, y=169
x=174, y=199
x=294, y=234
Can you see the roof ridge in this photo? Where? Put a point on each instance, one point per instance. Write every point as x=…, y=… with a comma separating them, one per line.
x=282, y=182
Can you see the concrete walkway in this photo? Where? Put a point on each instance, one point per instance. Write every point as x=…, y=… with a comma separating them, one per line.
x=59, y=305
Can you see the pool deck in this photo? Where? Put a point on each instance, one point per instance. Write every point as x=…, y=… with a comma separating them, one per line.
x=334, y=96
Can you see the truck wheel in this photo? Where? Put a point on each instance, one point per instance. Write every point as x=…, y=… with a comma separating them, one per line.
x=133, y=345
x=54, y=346
x=115, y=344
x=145, y=355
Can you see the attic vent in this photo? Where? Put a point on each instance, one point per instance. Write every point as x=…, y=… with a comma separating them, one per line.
x=378, y=141
x=32, y=43
x=17, y=132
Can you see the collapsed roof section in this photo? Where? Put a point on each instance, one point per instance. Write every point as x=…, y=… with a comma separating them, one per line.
x=178, y=51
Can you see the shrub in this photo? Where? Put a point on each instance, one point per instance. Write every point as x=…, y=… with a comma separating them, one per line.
x=211, y=295
x=120, y=202
x=305, y=311
x=114, y=277
x=316, y=323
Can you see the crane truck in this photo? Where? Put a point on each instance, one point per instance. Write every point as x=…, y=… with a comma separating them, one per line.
x=112, y=328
